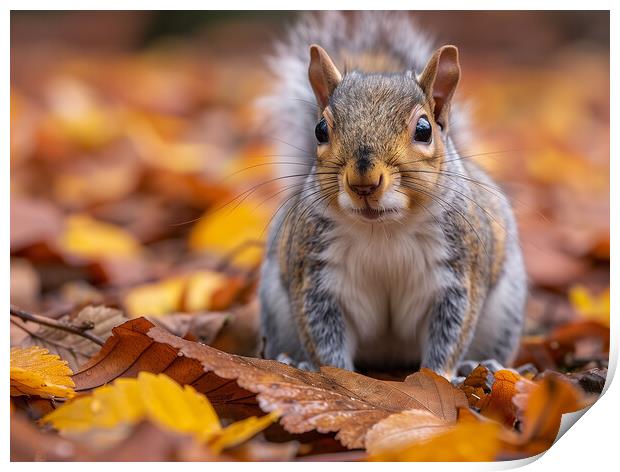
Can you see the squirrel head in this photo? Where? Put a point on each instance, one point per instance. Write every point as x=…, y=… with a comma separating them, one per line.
x=381, y=137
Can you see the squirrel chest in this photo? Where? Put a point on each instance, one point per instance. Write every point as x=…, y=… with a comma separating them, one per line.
x=385, y=281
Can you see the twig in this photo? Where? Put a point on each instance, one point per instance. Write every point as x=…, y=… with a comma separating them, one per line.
x=72, y=351
x=42, y=320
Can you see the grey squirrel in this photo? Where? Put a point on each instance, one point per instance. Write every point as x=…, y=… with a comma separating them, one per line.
x=391, y=248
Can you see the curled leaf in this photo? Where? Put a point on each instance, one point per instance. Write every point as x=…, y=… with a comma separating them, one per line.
x=498, y=404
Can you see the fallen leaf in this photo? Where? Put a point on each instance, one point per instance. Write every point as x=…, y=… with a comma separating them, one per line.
x=80, y=294
x=104, y=177
x=240, y=333
x=204, y=327
x=197, y=291
x=498, y=405
x=76, y=115
x=466, y=442
x=540, y=407
x=591, y=380
x=34, y=371
x=402, y=429
x=332, y=400
x=73, y=348
x=564, y=342
x=89, y=239
x=28, y=443
x=159, y=399
x=227, y=228
x=476, y=385
x=589, y=306
x=146, y=442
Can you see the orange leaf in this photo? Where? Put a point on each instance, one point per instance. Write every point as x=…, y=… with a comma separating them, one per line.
x=541, y=407
x=498, y=404
x=467, y=441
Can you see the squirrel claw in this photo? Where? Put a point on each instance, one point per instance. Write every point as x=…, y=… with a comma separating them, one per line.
x=284, y=358
x=464, y=368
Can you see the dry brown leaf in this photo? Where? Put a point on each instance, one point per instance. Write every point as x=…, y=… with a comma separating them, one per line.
x=203, y=327
x=565, y=341
x=476, y=385
x=73, y=348
x=240, y=334
x=332, y=400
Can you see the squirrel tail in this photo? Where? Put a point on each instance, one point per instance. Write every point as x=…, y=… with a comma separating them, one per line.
x=291, y=112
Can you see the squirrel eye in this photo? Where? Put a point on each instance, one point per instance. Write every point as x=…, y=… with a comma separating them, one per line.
x=321, y=132
x=423, y=131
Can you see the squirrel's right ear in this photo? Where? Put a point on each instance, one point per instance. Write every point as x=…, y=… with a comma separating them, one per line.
x=323, y=75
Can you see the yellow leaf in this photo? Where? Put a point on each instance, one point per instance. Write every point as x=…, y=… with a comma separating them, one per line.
x=241, y=431
x=92, y=239
x=77, y=115
x=590, y=306
x=155, y=299
x=200, y=288
x=34, y=371
x=188, y=293
x=229, y=227
x=180, y=409
x=159, y=399
x=467, y=441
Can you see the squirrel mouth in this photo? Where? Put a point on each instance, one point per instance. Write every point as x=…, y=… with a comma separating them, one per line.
x=373, y=213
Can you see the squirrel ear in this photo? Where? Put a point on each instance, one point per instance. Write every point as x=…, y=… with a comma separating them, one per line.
x=439, y=80
x=323, y=75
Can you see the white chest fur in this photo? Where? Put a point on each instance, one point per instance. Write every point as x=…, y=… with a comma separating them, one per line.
x=385, y=279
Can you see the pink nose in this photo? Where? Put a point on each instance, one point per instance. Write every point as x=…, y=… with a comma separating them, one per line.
x=363, y=190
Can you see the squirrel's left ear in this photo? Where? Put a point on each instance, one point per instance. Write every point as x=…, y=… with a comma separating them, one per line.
x=323, y=74
x=439, y=80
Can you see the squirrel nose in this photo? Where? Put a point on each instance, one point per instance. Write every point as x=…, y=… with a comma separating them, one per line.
x=363, y=190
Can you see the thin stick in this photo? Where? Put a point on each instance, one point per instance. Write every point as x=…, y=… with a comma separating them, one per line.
x=45, y=321
x=48, y=341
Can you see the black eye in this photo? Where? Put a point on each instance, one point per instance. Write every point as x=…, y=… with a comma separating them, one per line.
x=423, y=131
x=321, y=132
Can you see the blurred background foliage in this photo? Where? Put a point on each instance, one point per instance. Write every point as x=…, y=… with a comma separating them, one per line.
x=140, y=176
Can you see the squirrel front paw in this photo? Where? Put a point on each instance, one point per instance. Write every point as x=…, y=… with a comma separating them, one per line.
x=284, y=358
